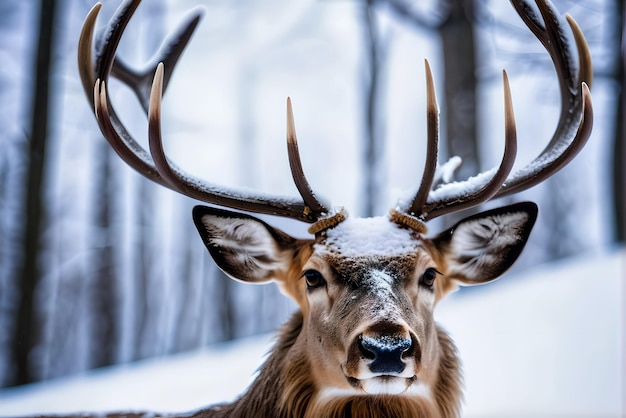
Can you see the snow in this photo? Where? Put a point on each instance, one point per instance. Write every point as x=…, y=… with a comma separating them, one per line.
x=458, y=189
x=169, y=384
x=365, y=237
x=545, y=344
x=445, y=172
x=388, y=343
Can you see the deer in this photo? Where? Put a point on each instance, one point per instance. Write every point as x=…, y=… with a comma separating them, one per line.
x=363, y=341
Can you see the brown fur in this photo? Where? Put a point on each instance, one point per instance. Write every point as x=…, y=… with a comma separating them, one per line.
x=317, y=362
x=285, y=389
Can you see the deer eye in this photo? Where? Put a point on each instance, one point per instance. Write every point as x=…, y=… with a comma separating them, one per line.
x=429, y=276
x=314, y=279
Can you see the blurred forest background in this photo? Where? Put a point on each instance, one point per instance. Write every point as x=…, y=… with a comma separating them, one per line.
x=98, y=266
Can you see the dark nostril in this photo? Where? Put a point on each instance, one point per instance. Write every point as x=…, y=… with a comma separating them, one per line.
x=386, y=352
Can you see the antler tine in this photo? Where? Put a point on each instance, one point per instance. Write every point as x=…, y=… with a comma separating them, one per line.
x=576, y=117
x=85, y=51
x=311, y=201
x=198, y=189
x=131, y=152
x=432, y=127
x=585, y=71
x=156, y=166
x=550, y=161
x=94, y=77
x=572, y=131
x=453, y=197
x=169, y=54
x=108, y=63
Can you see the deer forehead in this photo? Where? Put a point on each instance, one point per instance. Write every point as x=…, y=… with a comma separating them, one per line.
x=368, y=237
x=371, y=253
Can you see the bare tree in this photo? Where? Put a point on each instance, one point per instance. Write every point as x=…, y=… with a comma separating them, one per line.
x=454, y=22
x=619, y=142
x=104, y=293
x=459, y=59
x=25, y=337
x=374, y=141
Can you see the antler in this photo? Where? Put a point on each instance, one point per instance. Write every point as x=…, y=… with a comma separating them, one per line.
x=155, y=165
x=571, y=134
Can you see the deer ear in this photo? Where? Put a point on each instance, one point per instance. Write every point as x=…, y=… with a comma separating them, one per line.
x=244, y=247
x=482, y=247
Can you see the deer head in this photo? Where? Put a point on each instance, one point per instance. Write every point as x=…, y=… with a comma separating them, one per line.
x=364, y=341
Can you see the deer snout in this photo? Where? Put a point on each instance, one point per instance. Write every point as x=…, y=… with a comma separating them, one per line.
x=387, y=353
x=383, y=359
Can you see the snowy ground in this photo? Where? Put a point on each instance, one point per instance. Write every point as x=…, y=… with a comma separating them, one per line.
x=549, y=343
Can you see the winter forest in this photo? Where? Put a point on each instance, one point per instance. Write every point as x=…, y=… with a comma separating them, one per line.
x=99, y=266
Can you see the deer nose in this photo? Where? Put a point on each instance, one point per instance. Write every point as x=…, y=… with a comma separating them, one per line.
x=386, y=352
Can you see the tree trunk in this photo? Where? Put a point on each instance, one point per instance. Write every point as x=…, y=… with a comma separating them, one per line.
x=104, y=294
x=144, y=307
x=374, y=147
x=619, y=150
x=461, y=107
x=25, y=337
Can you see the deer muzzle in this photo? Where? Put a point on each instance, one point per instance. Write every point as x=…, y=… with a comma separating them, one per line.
x=383, y=359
